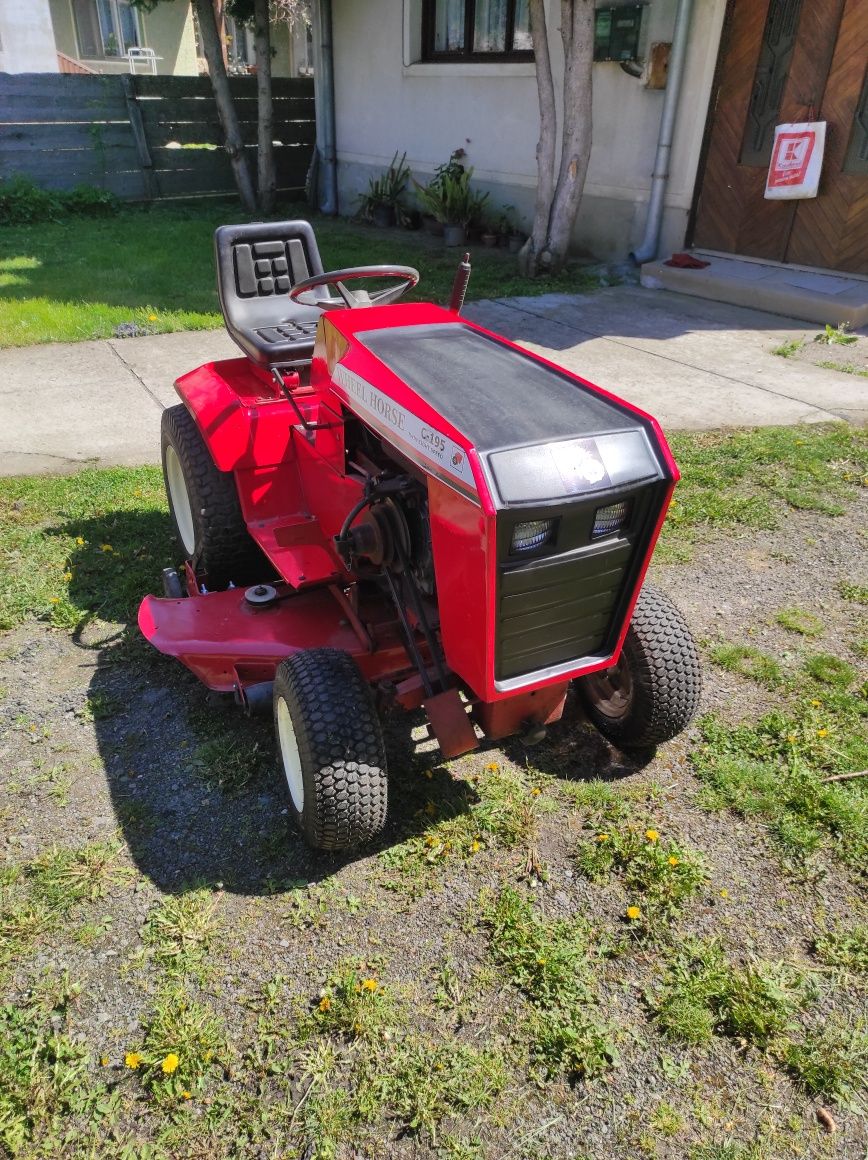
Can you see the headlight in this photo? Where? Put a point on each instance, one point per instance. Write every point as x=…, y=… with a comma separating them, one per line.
x=610, y=519
x=533, y=534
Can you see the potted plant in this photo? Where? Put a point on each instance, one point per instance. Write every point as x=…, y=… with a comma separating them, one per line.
x=451, y=201
x=451, y=168
x=382, y=203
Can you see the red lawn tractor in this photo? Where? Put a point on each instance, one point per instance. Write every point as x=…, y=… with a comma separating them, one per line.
x=388, y=505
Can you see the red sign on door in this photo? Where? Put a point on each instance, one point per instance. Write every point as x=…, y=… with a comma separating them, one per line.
x=797, y=157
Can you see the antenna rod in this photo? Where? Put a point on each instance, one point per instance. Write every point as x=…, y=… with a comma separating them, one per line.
x=459, y=286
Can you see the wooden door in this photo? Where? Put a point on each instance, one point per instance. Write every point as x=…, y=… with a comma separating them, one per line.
x=788, y=60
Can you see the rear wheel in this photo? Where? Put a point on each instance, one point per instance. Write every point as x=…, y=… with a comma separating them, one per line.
x=652, y=693
x=331, y=749
x=203, y=502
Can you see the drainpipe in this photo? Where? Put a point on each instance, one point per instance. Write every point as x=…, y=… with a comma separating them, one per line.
x=324, y=86
x=650, y=243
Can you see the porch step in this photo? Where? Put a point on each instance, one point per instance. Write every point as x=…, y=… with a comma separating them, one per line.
x=795, y=291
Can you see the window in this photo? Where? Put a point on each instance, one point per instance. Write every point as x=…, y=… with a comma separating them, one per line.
x=240, y=51
x=476, y=30
x=105, y=28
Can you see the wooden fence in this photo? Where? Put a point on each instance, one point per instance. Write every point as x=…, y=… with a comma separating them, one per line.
x=144, y=137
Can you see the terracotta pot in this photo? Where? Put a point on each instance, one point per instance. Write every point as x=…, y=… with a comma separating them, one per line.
x=489, y=241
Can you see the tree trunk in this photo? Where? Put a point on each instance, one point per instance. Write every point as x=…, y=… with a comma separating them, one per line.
x=266, y=177
x=234, y=143
x=577, y=32
x=545, y=151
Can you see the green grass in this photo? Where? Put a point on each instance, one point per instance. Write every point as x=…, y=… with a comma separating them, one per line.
x=79, y=278
x=833, y=1062
x=845, y=948
x=845, y=368
x=789, y=348
x=659, y=876
x=746, y=480
x=748, y=661
x=180, y=932
x=702, y=994
x=799, y=620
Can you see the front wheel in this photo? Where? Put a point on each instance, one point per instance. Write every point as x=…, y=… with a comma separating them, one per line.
x=652, y=693
x=331, y=749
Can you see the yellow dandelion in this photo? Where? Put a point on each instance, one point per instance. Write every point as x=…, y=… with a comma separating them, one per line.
x=492, y=767
x=106, y=548
x=724, y=894
x=132, y=1059
x=602, y=837
x=816, y=703
x=791, y=738
x=536, y=791
x=170, y=1063
x=370, y=985
x=80, y=541
x=186, y=1095
x=541, y=962
x=822, y=732
x=54, y=600
x=152, y=318
x=325, y=1003
x=673, y=861
x=651, y=835
x=137, y=492
x=67, y=576
x=475, y=846
x=103, y=1061
x=634, y=912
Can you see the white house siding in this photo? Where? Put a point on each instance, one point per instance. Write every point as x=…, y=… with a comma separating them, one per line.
x=26, y=39
x=386, y=100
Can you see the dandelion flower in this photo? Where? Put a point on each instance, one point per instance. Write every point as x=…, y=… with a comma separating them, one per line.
x=132, y=1059
x=634, y=912
x=651, y=835
x=673, y=861
x=80, y=541
x=325, y=1003
x=106, y=548
x=724, y=894
x=541, y=962
x=492, y=767
x=602, y=837
x=816, y=704
x=55, y=600
x=152, y=318
x=791, y=738
x=170, y=1063
x=536, y=791
x=67, y=576
x=103, y=1061
x=370, y=985
x=475, y=846
x=822, y=732
x=186, y=1095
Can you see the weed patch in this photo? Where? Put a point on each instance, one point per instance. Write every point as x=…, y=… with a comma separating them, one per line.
x=799, y=620
x=180, y=932
x=748, y=661
x=184, y=1042
x=659, y=875
x=833, y=1062
x=844, y=948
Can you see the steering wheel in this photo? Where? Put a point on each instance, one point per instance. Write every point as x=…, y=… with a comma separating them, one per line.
x=353, y=300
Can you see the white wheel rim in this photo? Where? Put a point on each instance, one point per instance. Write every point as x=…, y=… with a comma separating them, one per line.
x=180, y=498
x=290, y=755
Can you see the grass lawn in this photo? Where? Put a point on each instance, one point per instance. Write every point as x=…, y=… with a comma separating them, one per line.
x=79, y=278
x=556, y=953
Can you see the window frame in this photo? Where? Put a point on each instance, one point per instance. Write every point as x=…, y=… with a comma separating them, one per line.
x=466, y=55
x=117, y=31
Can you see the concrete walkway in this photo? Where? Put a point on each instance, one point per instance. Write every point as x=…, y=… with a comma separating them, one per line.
x=694, y=364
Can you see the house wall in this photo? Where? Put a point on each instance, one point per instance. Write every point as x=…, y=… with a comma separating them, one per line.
x=387, y=100
x=168, y=30
x=26, y=39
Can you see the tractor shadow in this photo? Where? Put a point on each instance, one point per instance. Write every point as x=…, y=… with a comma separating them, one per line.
x=195, y=786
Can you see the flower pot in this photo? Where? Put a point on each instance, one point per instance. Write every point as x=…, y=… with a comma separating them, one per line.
x=431, y=225
x=489, y=241
x=454, y=235
x=515, y=242
x=383, y=216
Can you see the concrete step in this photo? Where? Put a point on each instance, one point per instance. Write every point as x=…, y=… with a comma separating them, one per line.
x=796, y=291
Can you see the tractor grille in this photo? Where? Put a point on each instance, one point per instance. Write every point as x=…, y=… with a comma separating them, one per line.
x=559, y=609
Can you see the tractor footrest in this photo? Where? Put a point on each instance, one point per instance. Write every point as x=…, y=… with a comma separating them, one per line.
x=452, y=727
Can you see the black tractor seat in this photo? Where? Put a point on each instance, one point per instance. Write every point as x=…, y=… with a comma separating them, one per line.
x=256, y=266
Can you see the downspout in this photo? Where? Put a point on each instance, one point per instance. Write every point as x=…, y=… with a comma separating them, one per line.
x=324, y=86
x=650, y=243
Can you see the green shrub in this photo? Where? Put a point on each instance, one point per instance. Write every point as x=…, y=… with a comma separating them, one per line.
x=22, y=202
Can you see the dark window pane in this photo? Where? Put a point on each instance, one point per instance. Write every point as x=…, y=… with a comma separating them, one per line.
x=449, y=26
x=856, y=160
x=489, y=26
x=87, y=29
x=129, y=25
x=773, y=68
x=110, y=46
x=521, y=41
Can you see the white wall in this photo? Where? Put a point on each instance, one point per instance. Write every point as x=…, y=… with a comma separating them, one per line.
x=387, y=100
x=26, y=37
